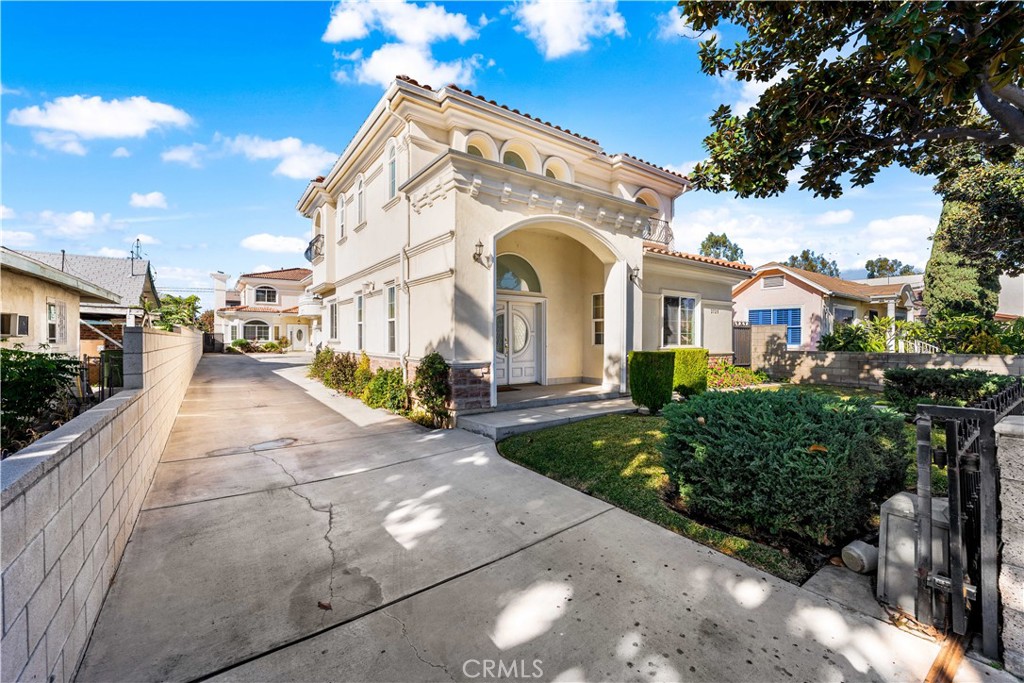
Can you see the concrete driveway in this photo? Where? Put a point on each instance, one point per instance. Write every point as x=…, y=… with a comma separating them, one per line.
x=295, y=535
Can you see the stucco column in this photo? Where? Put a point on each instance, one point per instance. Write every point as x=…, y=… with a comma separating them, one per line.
x=615, y=327
x=1010, y=454
x=890, y=312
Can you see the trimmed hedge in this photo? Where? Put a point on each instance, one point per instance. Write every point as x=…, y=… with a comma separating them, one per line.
x=788, y=462
x=651, y=375
x=691, y=371
x=905, y=388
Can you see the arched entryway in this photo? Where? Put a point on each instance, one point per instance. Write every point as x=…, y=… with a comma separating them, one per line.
x=559, y=306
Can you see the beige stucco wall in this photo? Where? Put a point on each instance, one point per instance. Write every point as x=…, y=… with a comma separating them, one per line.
x=661, y=276
x=28, y=296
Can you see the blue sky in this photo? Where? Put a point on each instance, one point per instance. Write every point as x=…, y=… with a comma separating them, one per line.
x=197, y=125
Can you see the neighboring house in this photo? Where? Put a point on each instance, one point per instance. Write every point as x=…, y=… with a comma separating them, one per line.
x=41, y=304
x=102, y=324
x=811, y=304
x=1011, y=293
x=518, y=250
x=266, y=307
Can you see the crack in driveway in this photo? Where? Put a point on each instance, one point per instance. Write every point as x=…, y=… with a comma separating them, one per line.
x=405, y=637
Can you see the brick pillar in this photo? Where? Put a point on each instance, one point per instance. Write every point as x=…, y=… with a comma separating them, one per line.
x=1010, y=451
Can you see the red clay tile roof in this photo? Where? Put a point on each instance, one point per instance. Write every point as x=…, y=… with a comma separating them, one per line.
x=452, y=86
x=660, y=168
x=252, y=309
x=293, y=309
x=282, y=274
x=653, y=249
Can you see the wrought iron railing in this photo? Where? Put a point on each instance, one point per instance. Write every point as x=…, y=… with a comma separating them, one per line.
x=315, y=249
x=970, y=461
x=657, y=230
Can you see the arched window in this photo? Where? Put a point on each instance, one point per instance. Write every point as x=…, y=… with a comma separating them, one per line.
x=474, y=151
x=266, y=295
x=516, y=274
x=556, y=168
x=318, y=225
x=360, y=202
x=640, y=200
x=339, y=216
x=256, y=330
x=550, y=174
x=513, y=159
x=392, y=171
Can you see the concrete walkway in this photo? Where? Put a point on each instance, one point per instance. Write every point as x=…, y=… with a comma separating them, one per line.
x=293, y=535
x=504, y=423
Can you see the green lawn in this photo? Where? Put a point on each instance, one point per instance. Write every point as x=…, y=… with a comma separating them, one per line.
x=615, y=458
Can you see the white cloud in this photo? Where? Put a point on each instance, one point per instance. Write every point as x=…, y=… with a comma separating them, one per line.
x=684, y=168
x=150, y=200
x=6, y=213
x=121, y=153
x=275, y=244
x=112, y=253
x=839, y=217
x=59, y=142
x=261, y=268
x=190, y=155
x=409, y=23
x=143, y=238
x=64, y=121
x=75, y=225
x=672, y=26
x=4, y=90
x=561, y=28
x=743, y=95
x=182, y=276
x=414, y=61
x=763, y=235
x=296, y=159
x=17, y=238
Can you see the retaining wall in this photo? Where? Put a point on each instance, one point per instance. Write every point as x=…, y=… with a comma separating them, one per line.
x=71, y=500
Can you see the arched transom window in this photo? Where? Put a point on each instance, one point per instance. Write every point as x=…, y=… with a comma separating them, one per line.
x=514, y=273
x=360, y=202
x=392, y=171
x=256, y=330
x=514, y=160
x=339, y=216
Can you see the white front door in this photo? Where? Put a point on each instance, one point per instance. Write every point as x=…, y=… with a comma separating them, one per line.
x=516, y=343
x=298, y=336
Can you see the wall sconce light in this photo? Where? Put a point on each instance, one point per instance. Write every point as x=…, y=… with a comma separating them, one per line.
x=478, y=255
x=634, y=274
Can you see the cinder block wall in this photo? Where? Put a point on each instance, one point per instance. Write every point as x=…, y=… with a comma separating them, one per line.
x=1010, y=452
x=768, y=352
x=71, y=500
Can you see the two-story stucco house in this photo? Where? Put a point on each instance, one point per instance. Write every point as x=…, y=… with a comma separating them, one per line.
x=266, y=307
x=811, y=304
x=517, y=249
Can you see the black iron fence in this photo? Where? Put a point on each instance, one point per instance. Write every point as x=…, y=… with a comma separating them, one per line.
x=968, y=598
x=103, y=375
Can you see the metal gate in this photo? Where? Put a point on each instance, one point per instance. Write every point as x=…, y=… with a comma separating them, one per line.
x=741, y=344
x=967, y=599
x=213, y=343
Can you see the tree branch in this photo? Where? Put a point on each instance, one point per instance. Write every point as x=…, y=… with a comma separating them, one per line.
x=1008, y=116
x=1012, y=94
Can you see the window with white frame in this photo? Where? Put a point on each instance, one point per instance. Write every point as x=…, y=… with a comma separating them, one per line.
x=277, y=333
x=56, y=322
x=266, y=295
x=679, y=320
x=256, y=331
x=392, y=317
x=392, y=171
x=597, y=318
x=339, y=217
x=359, y=322
x=360, y=202
x=233, y=332
x=332, y=311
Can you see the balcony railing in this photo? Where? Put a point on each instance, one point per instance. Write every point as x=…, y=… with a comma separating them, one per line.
x=657, y=230
x=315, y=249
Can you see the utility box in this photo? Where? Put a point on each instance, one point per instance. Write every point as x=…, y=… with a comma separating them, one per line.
x=897, y=544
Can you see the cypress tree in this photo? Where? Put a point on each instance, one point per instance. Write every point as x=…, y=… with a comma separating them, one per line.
x=955, y=285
